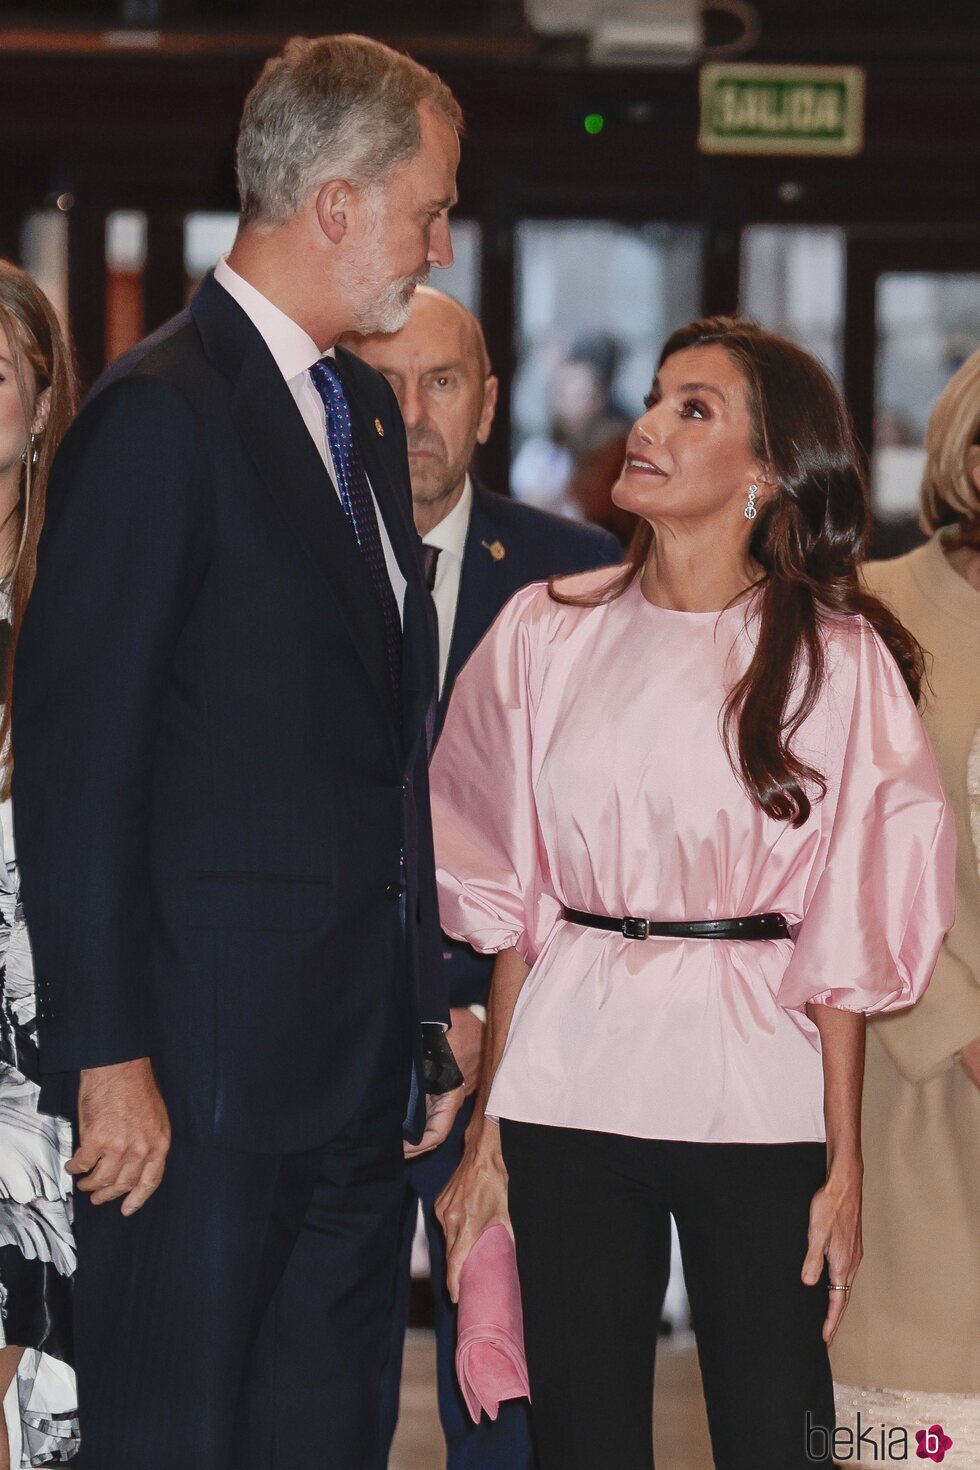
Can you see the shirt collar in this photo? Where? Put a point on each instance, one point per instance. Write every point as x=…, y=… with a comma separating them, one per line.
x=294, y=350
x=450, y=534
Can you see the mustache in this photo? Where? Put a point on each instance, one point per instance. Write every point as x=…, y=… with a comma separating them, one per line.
x=427, y=439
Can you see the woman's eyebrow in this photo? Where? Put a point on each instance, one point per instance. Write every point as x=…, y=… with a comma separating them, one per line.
x=702, y=388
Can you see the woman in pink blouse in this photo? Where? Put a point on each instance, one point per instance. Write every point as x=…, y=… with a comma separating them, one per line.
x=691, y=807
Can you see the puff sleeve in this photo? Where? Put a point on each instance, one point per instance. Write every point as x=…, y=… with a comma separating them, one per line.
x=881, y=892
x=491, y=867
x=925, y=1041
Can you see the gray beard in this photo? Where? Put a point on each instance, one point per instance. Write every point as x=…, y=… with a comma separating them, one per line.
x=385, y=308
x=386, y=312
x=379, y=305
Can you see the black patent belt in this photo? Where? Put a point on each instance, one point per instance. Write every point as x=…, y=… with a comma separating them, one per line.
x=753, y=926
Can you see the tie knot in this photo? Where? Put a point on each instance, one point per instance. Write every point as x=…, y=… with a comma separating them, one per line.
x=326, y=380
x=430, y=560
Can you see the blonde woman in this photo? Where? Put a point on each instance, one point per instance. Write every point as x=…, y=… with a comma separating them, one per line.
x=908, y=1353
x=37, y=1256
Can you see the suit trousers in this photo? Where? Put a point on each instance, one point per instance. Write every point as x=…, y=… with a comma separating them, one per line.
x=500, y=1444
x=591, y=1216
x=240, y=1318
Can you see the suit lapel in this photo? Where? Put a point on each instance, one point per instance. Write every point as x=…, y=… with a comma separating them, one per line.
x=478, y=592
x=292, y=471
x=418, y=654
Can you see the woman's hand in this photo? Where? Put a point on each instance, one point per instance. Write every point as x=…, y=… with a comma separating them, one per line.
x=835, y=1210
x=476, y=1196
x=474, y=1199
x=835, y=1234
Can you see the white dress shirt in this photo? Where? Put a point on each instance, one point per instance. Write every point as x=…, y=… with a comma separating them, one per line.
x=450, y=537
x=295, y=352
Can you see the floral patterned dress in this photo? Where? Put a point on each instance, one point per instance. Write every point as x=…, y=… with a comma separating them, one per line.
x=37, y=1253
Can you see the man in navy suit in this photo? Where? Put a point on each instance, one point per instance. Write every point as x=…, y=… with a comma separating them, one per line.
x=222, y=805
x=479, y=549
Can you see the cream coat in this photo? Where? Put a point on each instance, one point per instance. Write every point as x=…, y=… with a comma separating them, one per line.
x=914, y=1318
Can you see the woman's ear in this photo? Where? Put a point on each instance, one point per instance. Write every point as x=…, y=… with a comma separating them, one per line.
x=42, y=408
x=973, y=465
x=767, y=482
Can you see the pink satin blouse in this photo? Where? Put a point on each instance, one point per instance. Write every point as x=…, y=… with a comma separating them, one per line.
x=582, y=763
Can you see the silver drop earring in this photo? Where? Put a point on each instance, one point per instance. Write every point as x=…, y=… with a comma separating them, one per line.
x=750, y=510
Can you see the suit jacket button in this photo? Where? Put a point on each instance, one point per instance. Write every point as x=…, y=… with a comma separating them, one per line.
x=393, y=890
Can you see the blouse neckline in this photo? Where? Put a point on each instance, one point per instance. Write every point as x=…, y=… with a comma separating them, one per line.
x=711, y=616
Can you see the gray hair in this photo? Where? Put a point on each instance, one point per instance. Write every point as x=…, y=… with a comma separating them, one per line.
x=333, y=107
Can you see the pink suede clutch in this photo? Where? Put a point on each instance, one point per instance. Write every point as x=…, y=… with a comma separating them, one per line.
x=490, y=1362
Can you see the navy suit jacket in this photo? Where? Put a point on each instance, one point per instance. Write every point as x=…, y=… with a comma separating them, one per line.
x=215, y=786
x=508, y=545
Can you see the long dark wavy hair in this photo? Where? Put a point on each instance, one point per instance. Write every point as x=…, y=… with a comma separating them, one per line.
x=809, y=538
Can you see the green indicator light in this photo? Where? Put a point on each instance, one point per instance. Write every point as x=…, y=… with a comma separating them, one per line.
x=594, y=123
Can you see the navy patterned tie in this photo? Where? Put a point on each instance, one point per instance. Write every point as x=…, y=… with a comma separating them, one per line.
x=355, y=497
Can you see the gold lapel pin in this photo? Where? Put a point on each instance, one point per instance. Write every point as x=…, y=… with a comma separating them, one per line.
x=377, y=425
x=495, y=548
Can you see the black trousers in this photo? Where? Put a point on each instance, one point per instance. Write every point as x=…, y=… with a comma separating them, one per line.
x=591, y=1215
x=241, y=1317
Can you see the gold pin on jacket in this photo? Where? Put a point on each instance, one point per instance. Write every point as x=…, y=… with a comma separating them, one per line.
x=495, y=548
x=377, y=425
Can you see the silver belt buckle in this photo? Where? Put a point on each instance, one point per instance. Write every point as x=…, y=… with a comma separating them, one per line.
x=636, y=928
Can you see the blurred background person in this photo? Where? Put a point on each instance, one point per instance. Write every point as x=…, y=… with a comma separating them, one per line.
x=591, y=486
x=38, y=1424
x=585, y=415
x=479, y=548
x=909, y=1349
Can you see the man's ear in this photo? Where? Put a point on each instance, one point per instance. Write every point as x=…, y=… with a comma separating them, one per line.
x=42, y=408
x=333, y=202
x=491, y=388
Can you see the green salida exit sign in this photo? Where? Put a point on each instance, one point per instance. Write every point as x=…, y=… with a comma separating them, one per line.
x=782, y=109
